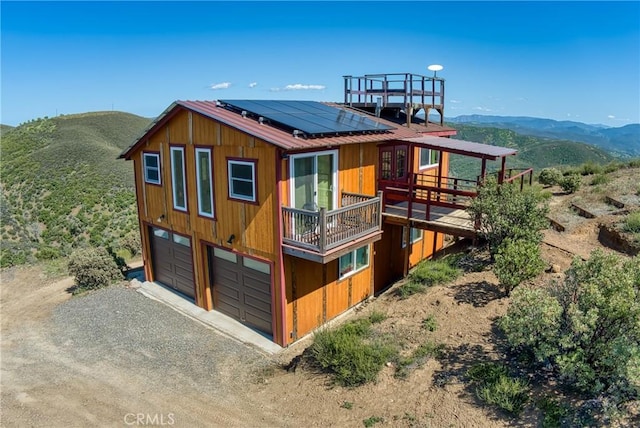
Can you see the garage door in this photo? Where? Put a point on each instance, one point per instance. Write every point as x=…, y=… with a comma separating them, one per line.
x=172, y=261
x=241, y=288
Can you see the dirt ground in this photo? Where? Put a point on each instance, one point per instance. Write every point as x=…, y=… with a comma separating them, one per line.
x=433, y=395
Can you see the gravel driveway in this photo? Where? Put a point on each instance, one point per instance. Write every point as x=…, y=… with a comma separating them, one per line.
x=113, y=356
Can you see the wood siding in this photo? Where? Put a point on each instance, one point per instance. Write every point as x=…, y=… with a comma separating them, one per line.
x=254, y=225
x=315, y=295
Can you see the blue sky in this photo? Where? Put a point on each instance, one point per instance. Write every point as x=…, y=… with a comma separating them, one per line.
x=560, y=60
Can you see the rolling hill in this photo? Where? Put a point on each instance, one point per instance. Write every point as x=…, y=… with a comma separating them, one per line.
x=533, y=151
x=62, y=186
x=621, y=142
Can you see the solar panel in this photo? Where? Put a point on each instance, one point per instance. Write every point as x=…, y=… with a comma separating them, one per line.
x=310, y=117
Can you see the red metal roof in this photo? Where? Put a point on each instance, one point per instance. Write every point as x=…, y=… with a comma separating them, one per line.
x=278, y=137
x=461, y=147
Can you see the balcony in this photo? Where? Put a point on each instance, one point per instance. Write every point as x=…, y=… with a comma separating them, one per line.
x=322, y=235
x=439, y=203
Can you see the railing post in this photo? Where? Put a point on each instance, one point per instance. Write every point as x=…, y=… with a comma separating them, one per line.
x=322, y=239
x=380, y=209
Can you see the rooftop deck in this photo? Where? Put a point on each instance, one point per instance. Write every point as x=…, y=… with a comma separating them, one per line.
x=395, y=91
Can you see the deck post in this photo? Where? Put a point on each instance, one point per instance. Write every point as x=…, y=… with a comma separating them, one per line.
x=380, y=209
x=483, y=171
x=502, y=170
x=322, y=238
x=439, y=174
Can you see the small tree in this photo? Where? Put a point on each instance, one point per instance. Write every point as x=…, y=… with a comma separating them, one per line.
x=517, y=261
x=587, y=326
x=93, y=268
x=549, y=177
x=505, y=211
x=571, y=183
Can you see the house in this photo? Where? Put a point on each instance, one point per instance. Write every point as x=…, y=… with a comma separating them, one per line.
x=284, y=214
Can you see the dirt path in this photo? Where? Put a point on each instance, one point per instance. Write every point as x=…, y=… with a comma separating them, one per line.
x=47, y=380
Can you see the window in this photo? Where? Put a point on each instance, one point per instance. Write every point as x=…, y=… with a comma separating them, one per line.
x=414, y=236
x=428, y=158
x=151, y=166
x=353, y=262
x=181, y=240
x=178, y=180
x=242, y=180
x=205, y=187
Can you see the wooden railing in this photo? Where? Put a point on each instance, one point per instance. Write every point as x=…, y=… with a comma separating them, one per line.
x=321, y=231
x=450, y=193
x=525, y=175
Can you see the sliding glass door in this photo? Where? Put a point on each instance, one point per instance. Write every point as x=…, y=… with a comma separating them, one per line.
x=314, y=180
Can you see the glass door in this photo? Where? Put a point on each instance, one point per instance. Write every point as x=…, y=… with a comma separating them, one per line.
x=313, y=179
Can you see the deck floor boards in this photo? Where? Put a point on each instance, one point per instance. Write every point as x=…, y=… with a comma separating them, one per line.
x=446, y=220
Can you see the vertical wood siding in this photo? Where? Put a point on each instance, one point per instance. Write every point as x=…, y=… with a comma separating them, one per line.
x=254, y=225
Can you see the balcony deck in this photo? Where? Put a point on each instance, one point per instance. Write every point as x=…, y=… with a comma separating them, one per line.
x=450, y=221
x=322, y=236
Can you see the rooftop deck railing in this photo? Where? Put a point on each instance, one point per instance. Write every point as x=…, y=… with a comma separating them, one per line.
x=398, y=88
x=322, y=230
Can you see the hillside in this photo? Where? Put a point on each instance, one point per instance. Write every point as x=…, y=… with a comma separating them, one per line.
x=62, y=185
x=4, y=129
x=623, y=141
x=533, y=151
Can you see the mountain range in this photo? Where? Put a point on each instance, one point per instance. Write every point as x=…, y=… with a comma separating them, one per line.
x=621, y=141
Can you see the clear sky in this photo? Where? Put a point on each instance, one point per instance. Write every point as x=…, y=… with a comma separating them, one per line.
x=559, y=60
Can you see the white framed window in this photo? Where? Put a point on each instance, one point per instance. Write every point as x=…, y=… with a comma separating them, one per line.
x=151, y=167
x=204, y=182
x=178, y=179
x=353, y=262
x=242, y=180
x=415, y=235
x=428, y=158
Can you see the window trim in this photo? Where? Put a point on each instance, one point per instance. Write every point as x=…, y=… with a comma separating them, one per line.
x=429, y=165
x=207, y=150
x=356, y=269
x=254, y=167
x=176, y=207
x=418, y=239
x=144, y=168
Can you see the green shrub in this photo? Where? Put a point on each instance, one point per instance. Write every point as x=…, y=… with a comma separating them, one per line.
x=590, y=168
x=410, y=288
x=554, y=413
x=131, y=243
x=495, y=387
x=571, y=183
x=549, y=177
x=429, y=323
x=613, y=166
x=504, y=211
x=350, y=354
x=418, y=357
x=632, y=222
x=376, y=317
x=347, y=405
x=47, y=253
x=93, y=268
x=517, y=261
x=371, y=421
x=433, y=272
x=586, y=326
x=600, y=179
